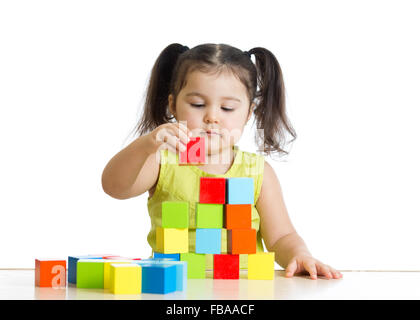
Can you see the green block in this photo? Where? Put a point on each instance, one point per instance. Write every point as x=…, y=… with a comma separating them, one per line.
x=90, y=273
x=175, y=214
x=196, y=265
x=209, y=215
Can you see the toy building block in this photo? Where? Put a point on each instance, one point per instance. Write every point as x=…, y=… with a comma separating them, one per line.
x=171, y=240
x=125, y=278
x=175, y=214
x=157, y=255
x=195, y=153
x=208, y=241
x=261, y=266
x=196, y=265
x=181, y=274
x=90, y=273
x=209, y=215
x=226, y=266
x=240, y=190
x=107, y=270
x=72, y=266
x=241, y=241
x=158, y=278
x=50, y=273
x=181, y=269
x=237, y=216
x=212, y=190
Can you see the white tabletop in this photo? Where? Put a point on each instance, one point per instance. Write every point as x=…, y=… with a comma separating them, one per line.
x=19, y=285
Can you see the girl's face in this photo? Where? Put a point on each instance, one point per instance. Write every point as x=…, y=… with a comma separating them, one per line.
x=214, y=106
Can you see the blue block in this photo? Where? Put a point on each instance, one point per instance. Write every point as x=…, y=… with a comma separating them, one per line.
x=158, y=278
x=208, y=241
x=240, y=190
x=181, y=274
x=157, y=255
x=72, y=266
x=181, y=270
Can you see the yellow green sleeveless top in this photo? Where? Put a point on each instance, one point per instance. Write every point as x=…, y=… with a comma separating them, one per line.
x=182, y=183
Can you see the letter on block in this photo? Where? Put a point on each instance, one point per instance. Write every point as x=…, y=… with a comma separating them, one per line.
x=107, y=270
x=240, y=190
x=212, y=190
x=195, y=153
x=170, y=240
x=209, y=215
x=261, y=266
x=208, y=241
x=125, y=278
x=158, y=278
x=242, y=241
x=90, y=273
x=226, y=266
x=175, y=214
x=50, y=273
x=238, y=216
x=196, y=265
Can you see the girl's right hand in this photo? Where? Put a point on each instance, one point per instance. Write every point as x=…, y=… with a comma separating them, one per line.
x=171, y=136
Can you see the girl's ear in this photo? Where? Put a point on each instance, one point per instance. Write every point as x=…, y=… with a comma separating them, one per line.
x=171, y=104
x=251, y=111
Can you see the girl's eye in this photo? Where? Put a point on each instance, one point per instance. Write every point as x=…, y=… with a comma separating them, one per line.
x=227, y=109
x=201, y=105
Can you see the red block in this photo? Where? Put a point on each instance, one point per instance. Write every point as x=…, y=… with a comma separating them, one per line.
x=50, y=273
x=212, y=190
x=226, y=266
x=241, y=241
x=195, y=152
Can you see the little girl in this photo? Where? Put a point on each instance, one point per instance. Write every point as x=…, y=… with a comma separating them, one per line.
x=211, y=91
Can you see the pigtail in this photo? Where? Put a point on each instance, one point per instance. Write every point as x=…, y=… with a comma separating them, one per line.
x=270, y=111
x=155, y=110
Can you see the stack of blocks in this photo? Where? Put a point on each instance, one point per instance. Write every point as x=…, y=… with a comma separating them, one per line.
x=227, y=203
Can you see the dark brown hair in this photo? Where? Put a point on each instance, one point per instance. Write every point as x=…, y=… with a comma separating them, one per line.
x=263, y=81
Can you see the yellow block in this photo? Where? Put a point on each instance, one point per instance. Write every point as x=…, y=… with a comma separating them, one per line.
x=107, y=270
x=125, y=279
x=261, y=266
x=171, y=240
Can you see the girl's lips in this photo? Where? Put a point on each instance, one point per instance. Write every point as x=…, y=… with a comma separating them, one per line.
x=211, y=133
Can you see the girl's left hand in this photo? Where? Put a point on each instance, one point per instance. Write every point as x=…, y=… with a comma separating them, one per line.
x=308, y=264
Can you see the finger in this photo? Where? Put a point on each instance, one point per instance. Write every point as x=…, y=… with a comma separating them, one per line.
x=324, y=270
x=335, y=274
x=182, y=135
x=291, y=268
x=176, y=143
x=162, y=134
x=310, y=268
x=182, y=125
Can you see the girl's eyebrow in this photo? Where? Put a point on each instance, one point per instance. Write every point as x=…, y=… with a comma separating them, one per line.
x=202, y=95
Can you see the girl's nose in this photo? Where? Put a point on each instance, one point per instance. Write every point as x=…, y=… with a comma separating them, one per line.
x=211, y=117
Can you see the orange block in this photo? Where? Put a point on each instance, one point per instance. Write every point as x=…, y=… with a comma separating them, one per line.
x=241, y=241
x=50, y=273
x=237, y=216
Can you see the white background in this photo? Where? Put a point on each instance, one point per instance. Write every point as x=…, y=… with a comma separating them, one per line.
x=72, y=79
